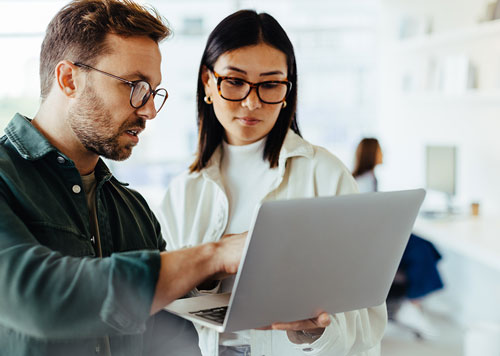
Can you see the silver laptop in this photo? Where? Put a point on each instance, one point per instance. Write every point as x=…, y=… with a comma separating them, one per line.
x=305, y=256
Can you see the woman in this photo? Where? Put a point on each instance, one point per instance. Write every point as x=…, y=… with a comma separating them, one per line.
x=418, y=266
x=368, y=156
x=250, y=150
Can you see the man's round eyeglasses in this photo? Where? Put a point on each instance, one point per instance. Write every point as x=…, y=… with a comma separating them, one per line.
x=140, y=90
x=237, y=89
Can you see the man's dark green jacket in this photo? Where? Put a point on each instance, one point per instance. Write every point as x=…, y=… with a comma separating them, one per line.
x=56, y=297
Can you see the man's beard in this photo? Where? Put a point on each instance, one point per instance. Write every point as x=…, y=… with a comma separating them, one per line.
x=92, y=124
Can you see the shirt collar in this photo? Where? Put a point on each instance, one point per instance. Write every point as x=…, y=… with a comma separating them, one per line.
x=293, y=146
x=212, y=169
x=103, y=174
x=32, y=145
x=28, y=141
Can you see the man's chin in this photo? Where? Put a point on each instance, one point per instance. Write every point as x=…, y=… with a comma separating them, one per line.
x=117, y=155
x=120, y=156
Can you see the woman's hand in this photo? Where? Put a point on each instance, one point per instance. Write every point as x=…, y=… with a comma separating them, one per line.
x=302, y=331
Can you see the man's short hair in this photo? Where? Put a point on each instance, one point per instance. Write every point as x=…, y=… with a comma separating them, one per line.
x=78, y=32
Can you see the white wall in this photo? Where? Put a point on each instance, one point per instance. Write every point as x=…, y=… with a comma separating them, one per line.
x=407, y=122
x=419, y=114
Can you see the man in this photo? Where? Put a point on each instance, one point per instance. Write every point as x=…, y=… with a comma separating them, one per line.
x=82, y=261
x=60, y=206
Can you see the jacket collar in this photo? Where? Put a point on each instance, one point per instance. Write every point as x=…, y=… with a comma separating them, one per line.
x=293, y=146
x=26, y=139
x=32, y=145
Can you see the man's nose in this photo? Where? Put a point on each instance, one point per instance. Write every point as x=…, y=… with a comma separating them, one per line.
x=148, y=111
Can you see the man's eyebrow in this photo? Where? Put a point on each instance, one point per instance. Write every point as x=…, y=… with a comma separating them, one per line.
x=141, y=76
x=236, y=69
x=138, y=75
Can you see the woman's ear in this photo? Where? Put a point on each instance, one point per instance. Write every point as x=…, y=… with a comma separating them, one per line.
x=205, y=78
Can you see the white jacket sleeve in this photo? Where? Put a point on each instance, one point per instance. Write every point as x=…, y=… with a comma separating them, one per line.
x=352, y=333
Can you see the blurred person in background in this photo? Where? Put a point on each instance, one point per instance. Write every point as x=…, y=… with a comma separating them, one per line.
x=417, y=272
x=250, y=150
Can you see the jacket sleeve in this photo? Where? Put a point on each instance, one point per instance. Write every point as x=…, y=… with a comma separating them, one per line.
x=357, y=332
x=168, y=214
x=173, y=214
x=50, y=296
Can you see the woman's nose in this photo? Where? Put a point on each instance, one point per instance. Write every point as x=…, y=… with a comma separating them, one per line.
x=252, y=101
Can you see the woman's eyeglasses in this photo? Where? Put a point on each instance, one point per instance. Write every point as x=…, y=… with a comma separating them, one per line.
x=237, y=89
x=140, y=90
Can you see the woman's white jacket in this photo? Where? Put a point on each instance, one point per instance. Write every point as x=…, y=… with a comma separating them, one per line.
x=195, y=211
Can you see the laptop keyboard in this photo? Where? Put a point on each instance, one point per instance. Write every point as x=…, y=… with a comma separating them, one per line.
x=215, y=314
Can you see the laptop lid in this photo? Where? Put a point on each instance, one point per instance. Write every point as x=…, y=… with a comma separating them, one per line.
x=332, y=254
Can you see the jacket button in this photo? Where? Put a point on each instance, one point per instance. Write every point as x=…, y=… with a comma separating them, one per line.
x=76, y=189
x=61, y=159
x=92, y=239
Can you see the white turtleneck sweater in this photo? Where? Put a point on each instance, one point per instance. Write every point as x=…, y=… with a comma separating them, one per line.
x=247, y=178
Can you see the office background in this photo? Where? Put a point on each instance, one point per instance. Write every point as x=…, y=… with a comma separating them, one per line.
x=336, y=48
x=412, y=73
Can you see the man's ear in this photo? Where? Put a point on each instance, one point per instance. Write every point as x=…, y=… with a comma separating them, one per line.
x=65, y=73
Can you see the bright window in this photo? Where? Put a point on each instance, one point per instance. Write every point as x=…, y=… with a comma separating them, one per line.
x=335, y=43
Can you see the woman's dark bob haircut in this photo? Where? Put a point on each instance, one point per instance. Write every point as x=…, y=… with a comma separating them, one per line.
x=241, y=29
x=366, y=156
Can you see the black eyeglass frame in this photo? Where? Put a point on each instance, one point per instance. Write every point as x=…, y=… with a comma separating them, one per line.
x=133, y=85
x=220, y=78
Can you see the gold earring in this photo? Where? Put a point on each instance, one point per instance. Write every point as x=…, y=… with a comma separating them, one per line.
x=283, y=105
x=208, y=100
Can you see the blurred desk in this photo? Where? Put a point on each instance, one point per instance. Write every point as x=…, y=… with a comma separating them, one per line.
x=470, y=267
x=475, y=237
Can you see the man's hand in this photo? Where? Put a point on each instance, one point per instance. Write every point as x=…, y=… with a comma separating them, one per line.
x=228, y=254
x=183, y=269
x=212, y=282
